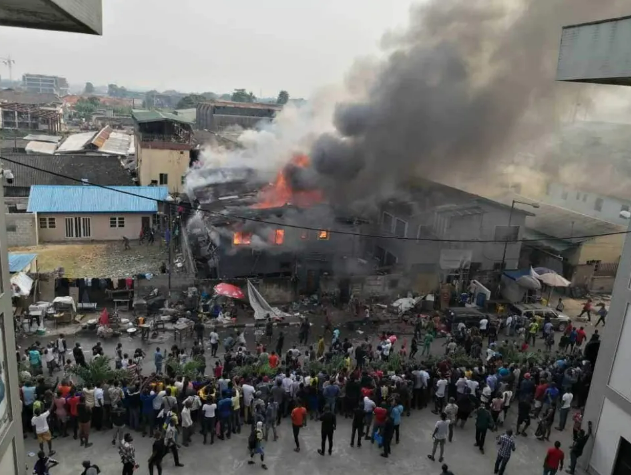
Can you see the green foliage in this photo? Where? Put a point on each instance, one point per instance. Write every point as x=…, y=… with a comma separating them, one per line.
x=188, y=370
x=89, y=88
x=209, y=96
x=226, y=97
x=190, y=101
x=114, y=91
x=86, y=107
x=122, y=110
x=240, y=95
x=283, y=97
x=98, y=371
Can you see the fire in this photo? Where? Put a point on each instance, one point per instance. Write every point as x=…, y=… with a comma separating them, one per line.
x=241, y=238
x=280, y=193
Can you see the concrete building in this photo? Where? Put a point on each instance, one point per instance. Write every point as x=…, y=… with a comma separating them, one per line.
x=81, y=16
x=218, y=115
x=79, y=212
x=42, y=83
x=31, y=111
x=163, y=143
x=433, y=210
x=599, y=53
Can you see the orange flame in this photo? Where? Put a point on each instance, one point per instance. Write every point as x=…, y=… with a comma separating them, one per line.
x=280, y=193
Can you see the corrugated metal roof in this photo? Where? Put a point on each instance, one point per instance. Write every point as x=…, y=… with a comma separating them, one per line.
x=44, y=138
x=117, y=144
x=76, y=142
x=19, y=262
x=142, y=116
x=47, y=148
x=101, y=136
x=94, y=199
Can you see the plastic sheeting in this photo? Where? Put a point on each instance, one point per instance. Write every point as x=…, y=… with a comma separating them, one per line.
x=260, y=306
x=21, y=285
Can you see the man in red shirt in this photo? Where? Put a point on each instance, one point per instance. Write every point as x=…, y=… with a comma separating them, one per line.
x=580, y=337
x=540, y=392
x=381, y=414
x=73, y=402
x=273, y=360
x=554, y=460
x=298, y=419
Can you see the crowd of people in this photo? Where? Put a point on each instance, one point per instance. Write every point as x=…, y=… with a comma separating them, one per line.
x=256, y=391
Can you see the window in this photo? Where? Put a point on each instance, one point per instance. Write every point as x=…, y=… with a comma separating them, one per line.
x=279, y=237
x=11, y=228
x=598, y=204
x=424, y=231
x=323, y=235
x=387, y=220
x=564, y=195
x=117, y=222
x=624, y=208
x=164, y=179
x=49, y=223
x=183, y=179
x=77, y=227
x=506, y=233
x=400, y=228
x=242, y=238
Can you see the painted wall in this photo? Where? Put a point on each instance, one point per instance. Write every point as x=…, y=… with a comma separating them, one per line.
x=614, y=423
x=154, y=161
x=605, y=249
x=21, y=229
x=586, y=203
x=99, y=227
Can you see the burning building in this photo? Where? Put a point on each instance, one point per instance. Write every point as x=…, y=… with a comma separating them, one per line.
x=244, y=227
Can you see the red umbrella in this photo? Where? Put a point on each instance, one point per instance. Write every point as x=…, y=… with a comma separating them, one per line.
x=229, y=290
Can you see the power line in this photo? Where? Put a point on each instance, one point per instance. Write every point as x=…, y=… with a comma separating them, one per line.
x=308, y=228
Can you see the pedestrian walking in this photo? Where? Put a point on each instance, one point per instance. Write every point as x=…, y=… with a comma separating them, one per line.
x=84, y=416
x=187, y=424
x=602, y=314
x=298, y=420
x=587, y=309
x=170, y=442
x=158, y=357
x=255, y=444
x=483, y=422
x=158, y=450
x=577, y=448
x=118, y=421
x=358, y=424
x=554, y=460
x=564, y=410
x=128, y=455
x=387, y=434
x=329, y=424
x=506, y=446
x=40, y=424
x=440, y=434
x=451, y=410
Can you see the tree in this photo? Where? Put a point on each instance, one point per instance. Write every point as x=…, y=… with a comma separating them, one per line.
x=114, y=91
x=209, y=96
x=240, y=95
x=86, y=107
x=89, y=88
x=190, y=101
x=283, y=97
x=226, y=97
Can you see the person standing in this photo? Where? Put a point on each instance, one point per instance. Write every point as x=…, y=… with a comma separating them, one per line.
x=158, y=357
x=128, y=455
x=187, y=424
x=566, y=404
x=40, y=423
x=506, y=446
x=441, y=430
x=255, y=444
x=358, y=424
x=554, y=460
x=158, y=451
x=298, y=420
x=427, y=343
x=118, y=421
x=483, y=422
x=451, y=410
x=577, y=448
x=170, y=443
x=84, y=416
x=396, y=413
x=280, y=343
x=440, y=394
x=209, y=421
x=387, y=434
x=214, y=343
x=329, y=424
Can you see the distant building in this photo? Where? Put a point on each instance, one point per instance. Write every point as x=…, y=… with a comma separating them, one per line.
x=88, y=212
x=31, y=111
x=42, y=83
x=218, y=115
x=163, y=143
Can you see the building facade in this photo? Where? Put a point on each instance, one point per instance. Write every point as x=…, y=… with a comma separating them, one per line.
x=598, y=53
x=42, y=83
x=218, y=115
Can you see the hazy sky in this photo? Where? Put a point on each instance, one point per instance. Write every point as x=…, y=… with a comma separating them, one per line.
x=211, y=45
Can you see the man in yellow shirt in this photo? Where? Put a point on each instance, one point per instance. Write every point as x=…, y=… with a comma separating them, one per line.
x=236, y=410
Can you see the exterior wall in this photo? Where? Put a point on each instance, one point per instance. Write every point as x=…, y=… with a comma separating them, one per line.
x=585, y=203
x=154, y=161
x=21, y=229
x=606, y=249
x=609, y=402
x=99, y=227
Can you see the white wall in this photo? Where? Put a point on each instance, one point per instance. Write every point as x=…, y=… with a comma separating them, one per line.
x=620, y=378
x=614, y=423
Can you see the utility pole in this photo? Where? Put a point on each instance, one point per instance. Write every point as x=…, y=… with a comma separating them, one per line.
x=9, y=63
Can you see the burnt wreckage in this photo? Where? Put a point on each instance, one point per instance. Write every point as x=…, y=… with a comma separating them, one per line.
x=245, y=227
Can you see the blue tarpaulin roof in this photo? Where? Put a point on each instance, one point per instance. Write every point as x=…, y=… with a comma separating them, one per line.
x=516, y=274
x=19, y=262
x=94, y=199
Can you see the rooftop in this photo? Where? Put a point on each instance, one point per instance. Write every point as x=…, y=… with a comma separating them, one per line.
x=245, y=105
x=95, y=199
x=23, y=97
x=143, y=116
x=46, y=148
x=76, y=142
x=19, y=262
x=44, y=138
x=105, y=170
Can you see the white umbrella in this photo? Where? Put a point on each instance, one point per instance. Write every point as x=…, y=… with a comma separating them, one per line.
x=554, y=280
x=528, y=282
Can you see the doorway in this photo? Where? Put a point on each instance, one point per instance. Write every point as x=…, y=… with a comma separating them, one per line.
x=623, y=459
x=146, y=222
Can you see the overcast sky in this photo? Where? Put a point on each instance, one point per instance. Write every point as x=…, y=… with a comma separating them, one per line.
x=211, y=45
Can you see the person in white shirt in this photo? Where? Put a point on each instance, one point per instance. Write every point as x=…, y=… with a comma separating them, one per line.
x=509, y=323
x=187, y=424
x=483, y=324
x=369, y=407
x=209, y=421
x=40, y=423
x=485, y=397
x=248, y=397
x=441, y=432
x=214, y=343
x=439, y=395
x=473, y=386
x=566, y=405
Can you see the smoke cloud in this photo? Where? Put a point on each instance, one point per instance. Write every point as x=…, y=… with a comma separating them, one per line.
x=460, y=90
